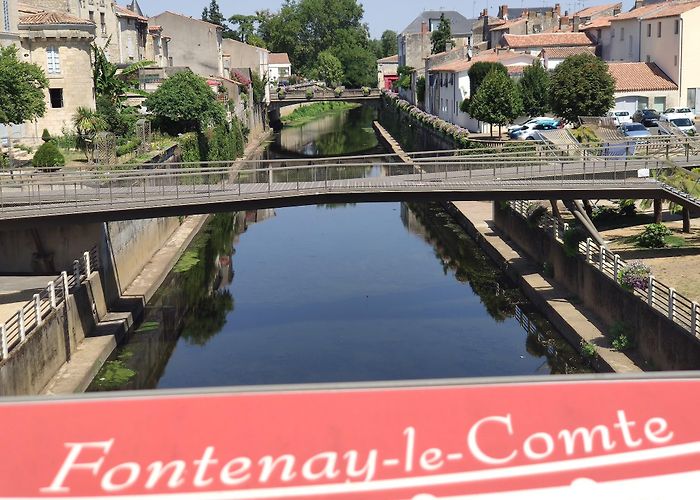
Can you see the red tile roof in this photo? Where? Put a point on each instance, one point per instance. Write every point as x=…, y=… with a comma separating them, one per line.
x=60, y=18
x=278, y=58
x=639, y=76
x=638, y=12
x=673, y=9
x=597, y=9
x=564, y=52
x=509, y=24
x=600, y=22
x=124, y=12
x=389, y=60
x=546, y=40
x=502, y=56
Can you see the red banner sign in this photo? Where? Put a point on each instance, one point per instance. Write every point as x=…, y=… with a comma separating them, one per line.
x=621, y=439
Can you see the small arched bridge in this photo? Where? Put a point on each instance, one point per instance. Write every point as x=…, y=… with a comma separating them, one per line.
x=321, y=95
x=184, y=189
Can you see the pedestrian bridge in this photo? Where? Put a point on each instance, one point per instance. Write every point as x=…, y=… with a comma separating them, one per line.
x=322, y=95
x=185, y=189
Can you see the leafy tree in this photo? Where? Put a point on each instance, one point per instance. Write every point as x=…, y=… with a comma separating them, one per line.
x=478, y=72
x=212, y=14
x=581, y=86
x=245, y=29
x=497, y=101
x=534, y=88
x=22, y=87
x=420, y=91
x=404, y=74
x=329, y=69
x=48, y=156
x=442, y=35
x=390, y=43
x=109, y=81
x=121, y=121
x=88, y=124
x=375, y=46
x=259, y=85
x=184, y=102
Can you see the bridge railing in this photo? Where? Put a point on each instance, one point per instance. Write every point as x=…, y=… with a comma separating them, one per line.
x=319, y=94
x=675, y=306
x=31, y=315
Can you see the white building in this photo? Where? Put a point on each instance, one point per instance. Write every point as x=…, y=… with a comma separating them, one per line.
x=448, y=85
x=554, y=56
x=280, y=69
x=666, y=34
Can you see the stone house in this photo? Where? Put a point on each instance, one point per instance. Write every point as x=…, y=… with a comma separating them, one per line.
x=535, y=43
x=132, y=36
x=238, y=55
x=279, y=68
x=195, y=44
x=387, y=72
x=156, y=49
x=520, y=21
x=60, y=44
x=8, y=26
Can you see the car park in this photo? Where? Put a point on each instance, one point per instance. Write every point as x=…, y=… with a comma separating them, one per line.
x=673, y=113
x=634, y=130
x=620, y=117
x=647, y=117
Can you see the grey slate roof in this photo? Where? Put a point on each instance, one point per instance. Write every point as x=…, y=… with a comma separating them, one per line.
x=460, y=24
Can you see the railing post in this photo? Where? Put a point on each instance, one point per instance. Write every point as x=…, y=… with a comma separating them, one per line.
x=37, y=308
x=616, y=269
x=64, y=277
x=52, y=294
x=671, y=303
x=589, y=241
x=694, y=307
x=601, y=260
x=86, y=258
x=76, y=273
x=650, y=291
x=22, y=327
x=5, y=347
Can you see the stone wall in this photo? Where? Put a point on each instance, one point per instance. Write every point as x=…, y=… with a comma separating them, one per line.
x=659, y=340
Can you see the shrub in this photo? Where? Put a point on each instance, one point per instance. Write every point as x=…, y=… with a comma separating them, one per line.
x=588, y=349
x=45, y=136
x=48, y=156
x=654, y=236
x=338, y=91
x=623, y=339
x=4, y=161
x=281, y=93
x=628, y=208
x=603, y=214
x=572, y=238
x=129, y=147
x=635, y=275
x=535, y=214
x=366, y=91
x=309, y=94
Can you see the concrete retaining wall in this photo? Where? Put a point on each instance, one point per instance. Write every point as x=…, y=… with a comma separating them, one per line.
x=659, y=340
x=32, y=365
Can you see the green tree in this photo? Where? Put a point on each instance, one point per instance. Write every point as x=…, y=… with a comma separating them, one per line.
x=478, y=72
x=184, y=102
x=245, y=27
x=329, y=69
x=420, y=91
x=109, y=81
x=22, y=87
x=259, y=85
x=497, y=101
x=581, y=86
x=88, y=124
x=442, y=35
x=534, y=88
x=390, y=43
x=212, y=14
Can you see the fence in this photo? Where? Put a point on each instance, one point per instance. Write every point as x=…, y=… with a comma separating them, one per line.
x=663, y=298
x=32, y=314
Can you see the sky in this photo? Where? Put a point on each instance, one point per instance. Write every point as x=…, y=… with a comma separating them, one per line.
x=380, y=15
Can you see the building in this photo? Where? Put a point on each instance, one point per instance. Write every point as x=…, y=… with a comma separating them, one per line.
x=535, y=43
x=387, y=72
x=415, y=40
x=241, y=55
x=641, y=85
x=590, y=14
x=8, y=29
x=448, y=85
x=279, y=68
x=600, y=33
x=661, y=33
x=132, y=35
x=60, y=44
x=157, y=47
x=194, y=43
x=521, y=21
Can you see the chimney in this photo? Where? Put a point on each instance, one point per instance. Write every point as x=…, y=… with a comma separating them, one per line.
x=557, y=9
x=638, y=4
x=503, y=12
x=423, y=27
x=575, y=24
x=563, y=22
x=485, y=13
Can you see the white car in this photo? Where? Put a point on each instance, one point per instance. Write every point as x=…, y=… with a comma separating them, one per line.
x=530, y=121
x=685, y=125
x=672, y=113
x=620, y=117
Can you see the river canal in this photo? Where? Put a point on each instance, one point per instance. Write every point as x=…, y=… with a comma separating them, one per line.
x=338, y=293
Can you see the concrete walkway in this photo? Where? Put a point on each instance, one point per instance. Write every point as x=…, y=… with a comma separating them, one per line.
x=574, y=321
x=16, y=291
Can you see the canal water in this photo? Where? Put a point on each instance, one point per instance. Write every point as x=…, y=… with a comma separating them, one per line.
x=336, y=293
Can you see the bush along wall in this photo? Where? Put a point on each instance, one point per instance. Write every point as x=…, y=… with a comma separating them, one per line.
x=449, y=130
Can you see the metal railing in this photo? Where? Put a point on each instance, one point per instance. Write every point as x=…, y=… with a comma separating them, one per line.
x=657, y=295
x=325, y=94
x=30, y=316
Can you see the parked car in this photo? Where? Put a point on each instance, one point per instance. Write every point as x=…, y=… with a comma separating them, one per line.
x=672, y=113
x=634, y=130
x=524, y=130
x=528, y=122
x=620, y=117
x=685, y=124
x=647, y=117
x=535, y=133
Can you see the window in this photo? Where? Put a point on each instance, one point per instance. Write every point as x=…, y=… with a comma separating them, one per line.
x=53, y=62
x=677, y=27
x=648, y=59
x=56, y=97
x=103, y=23
x=675, y=60
x=692, y=95
x=658, y=30
x=6, y=14
x=649, y=30
x=659, y=104
x=92, y=16
x=622, y=34
x=434, y=24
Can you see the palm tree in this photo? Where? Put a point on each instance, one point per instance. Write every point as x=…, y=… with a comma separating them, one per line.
x=87, y=124
x=109, y=81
